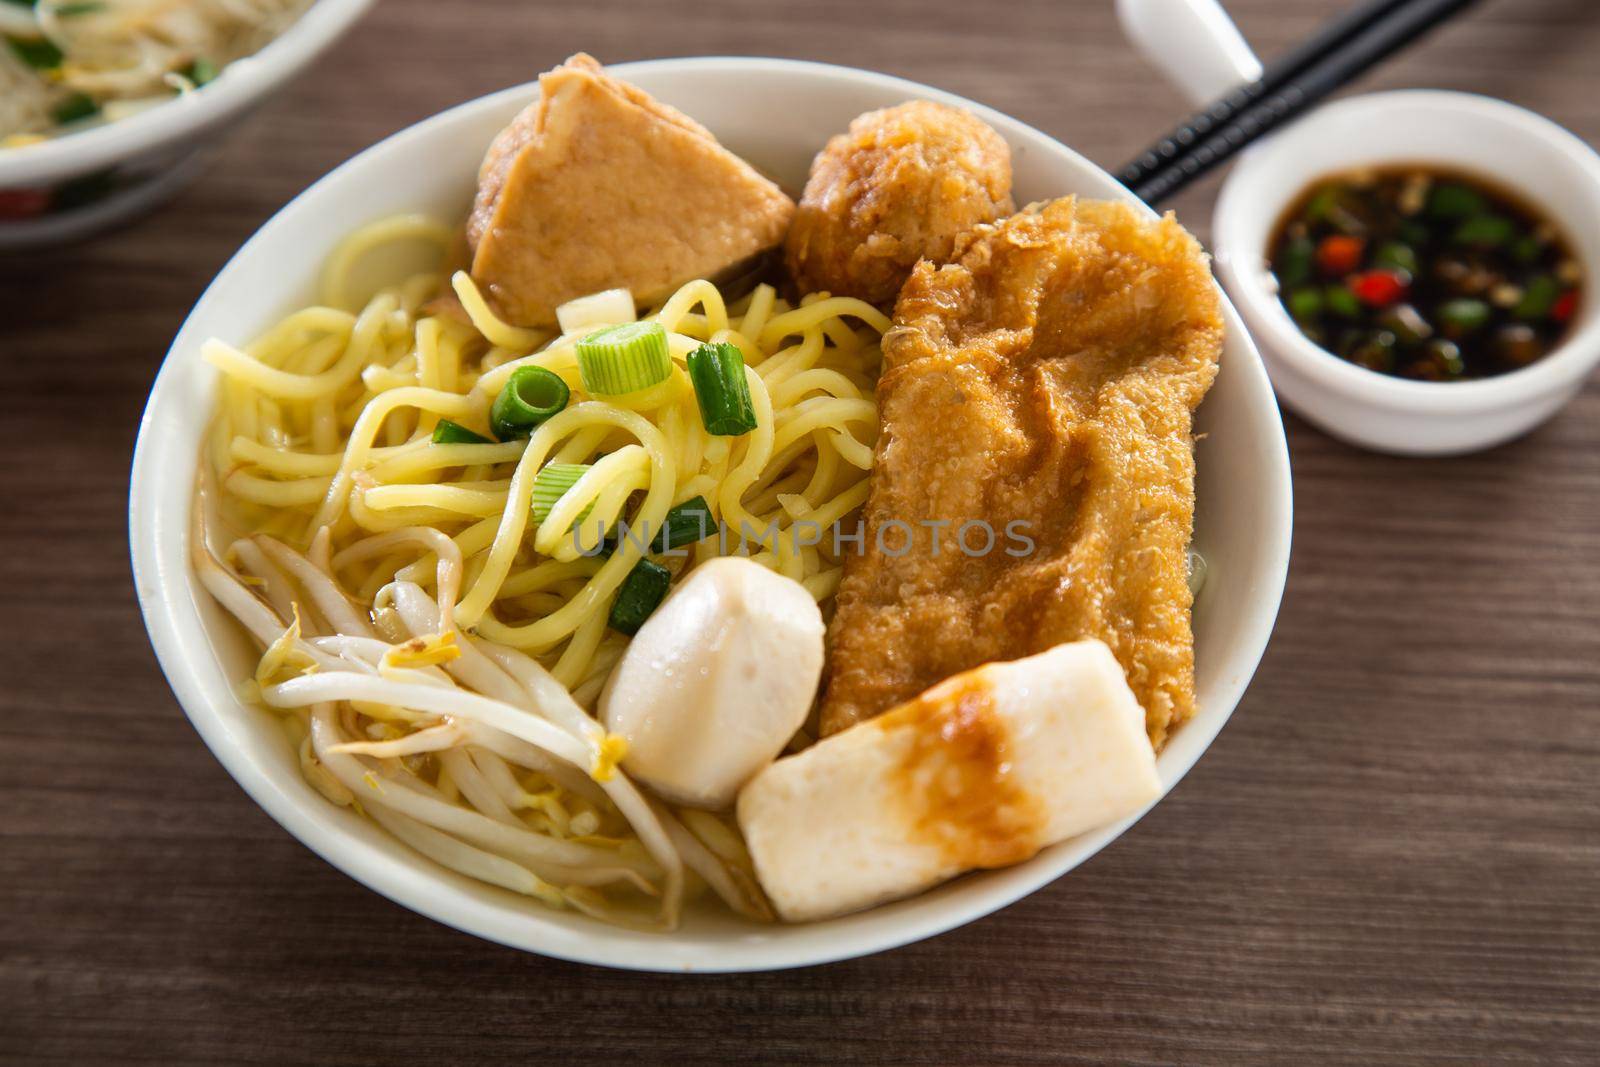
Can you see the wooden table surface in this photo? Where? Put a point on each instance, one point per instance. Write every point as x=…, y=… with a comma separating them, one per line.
x=1392, y=853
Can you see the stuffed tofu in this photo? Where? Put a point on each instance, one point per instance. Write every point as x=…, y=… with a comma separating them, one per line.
x=598, y=186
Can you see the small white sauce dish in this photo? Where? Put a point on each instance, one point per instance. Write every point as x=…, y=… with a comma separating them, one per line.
x=149, y=156
x=777, y=114
x=1509, y=146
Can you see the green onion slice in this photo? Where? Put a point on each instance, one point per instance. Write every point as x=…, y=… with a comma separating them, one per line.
x=531, y=396
x=453, y=433
x=717, y=372
x=40, y=54
x=200, y=72
x=642, y=592
x=552, y=483
x=685, y=524
x=624, y=359
x=86, y=7
x=75, y=107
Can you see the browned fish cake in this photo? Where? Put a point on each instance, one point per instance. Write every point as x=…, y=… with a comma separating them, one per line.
x=1046, y=377
x=900, y=186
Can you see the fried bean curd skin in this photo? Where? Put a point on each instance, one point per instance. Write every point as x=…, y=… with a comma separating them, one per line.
x=1039, y=389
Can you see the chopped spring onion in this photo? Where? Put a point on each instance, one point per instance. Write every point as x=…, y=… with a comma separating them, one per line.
x=552, y=483
x=531, y=396
x=200, y=72
x=624, y=359
x=40, y=54
x=75, y=107
x=642, y=592
x=717, y=372
x=86, y=7
x=685, y=524
x=453, y=433
x=611, y=307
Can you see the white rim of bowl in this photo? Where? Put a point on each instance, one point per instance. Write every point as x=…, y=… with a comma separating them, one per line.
x=1572, y=359
x=162, y=596
x=241, y=83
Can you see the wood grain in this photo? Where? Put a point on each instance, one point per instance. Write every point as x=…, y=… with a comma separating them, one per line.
x=1390, y=856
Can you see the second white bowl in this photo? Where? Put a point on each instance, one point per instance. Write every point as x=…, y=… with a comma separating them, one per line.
x=145, y=158
x=1515, y=148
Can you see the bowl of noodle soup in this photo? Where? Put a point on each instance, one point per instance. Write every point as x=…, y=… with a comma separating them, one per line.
x=391, y=198
x=141, y=93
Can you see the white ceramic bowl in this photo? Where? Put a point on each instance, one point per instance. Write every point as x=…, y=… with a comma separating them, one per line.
x=1517, y=149
x=1195, y=45
x=151, y=155
x=777, y=114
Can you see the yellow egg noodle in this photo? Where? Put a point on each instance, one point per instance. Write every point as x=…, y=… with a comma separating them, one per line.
x=436, y=653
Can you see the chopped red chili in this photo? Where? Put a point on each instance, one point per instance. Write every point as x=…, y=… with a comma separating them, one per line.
x=1565, y=307
x=1378, y=288
x=1340, y=254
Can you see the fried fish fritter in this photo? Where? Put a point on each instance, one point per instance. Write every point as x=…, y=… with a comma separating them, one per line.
x=1046, y=377
x=900, y=186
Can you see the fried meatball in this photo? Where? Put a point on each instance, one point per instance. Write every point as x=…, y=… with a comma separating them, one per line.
x=900, y=186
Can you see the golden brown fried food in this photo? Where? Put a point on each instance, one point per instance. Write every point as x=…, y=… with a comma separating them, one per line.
x=597, y=185
x=1041, y=387
x=900, y=186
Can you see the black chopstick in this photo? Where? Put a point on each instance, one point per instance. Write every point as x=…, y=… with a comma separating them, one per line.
x=1333, y=56
x=1334, y=35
